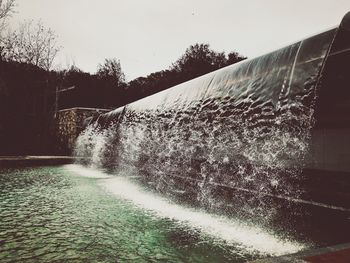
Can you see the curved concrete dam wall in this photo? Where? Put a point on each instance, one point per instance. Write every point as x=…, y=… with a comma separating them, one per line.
x=262, y=136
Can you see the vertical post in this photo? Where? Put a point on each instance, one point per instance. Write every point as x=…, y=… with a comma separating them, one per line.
x=56, y=101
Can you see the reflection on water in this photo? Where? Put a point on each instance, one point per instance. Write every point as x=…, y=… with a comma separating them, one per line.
x=49, y=214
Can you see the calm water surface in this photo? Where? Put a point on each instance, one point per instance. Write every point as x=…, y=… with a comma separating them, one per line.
x=51, y=214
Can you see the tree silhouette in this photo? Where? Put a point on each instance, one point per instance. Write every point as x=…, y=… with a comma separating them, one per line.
x=234, y=57
x=31, y=43
x=111, y=71
x=6, y=10
x=199, y=59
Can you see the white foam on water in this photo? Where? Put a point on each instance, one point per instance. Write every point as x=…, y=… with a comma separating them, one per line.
x=86, y=172
x=250, y=238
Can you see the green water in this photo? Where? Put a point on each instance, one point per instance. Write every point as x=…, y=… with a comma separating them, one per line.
x=50, y=215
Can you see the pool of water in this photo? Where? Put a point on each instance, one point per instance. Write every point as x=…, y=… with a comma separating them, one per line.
x=74, y=214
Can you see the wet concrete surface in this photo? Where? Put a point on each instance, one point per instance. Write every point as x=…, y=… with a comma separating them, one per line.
x=335, y=254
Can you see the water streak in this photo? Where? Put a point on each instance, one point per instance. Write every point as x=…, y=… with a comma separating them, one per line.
x=247, y=237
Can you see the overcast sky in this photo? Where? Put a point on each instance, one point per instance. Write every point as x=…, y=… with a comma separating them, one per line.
x=148, y=35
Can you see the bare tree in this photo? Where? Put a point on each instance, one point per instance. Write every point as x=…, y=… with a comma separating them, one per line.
x=31, y=43
x=6, y=9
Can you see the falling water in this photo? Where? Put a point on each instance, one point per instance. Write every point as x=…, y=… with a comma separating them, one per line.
x=233, y=142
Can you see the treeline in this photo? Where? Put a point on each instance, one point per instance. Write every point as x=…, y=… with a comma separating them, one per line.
x=32, y=43
x=32, y=91
x=26, y=109
x=107, y=88
x=29, y=87
x=197, y=60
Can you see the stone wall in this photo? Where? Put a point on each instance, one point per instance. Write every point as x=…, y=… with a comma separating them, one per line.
x=69, y=123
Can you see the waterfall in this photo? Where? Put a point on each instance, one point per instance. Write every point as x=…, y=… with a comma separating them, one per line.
x=233, y=141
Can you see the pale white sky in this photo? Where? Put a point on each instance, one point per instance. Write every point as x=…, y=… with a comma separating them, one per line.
x=148, y=35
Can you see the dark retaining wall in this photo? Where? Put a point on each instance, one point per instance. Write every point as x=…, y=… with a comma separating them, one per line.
x=70, y=122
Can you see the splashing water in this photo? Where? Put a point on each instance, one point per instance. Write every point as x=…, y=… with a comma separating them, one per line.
x=248, y=238
x=229, y=141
